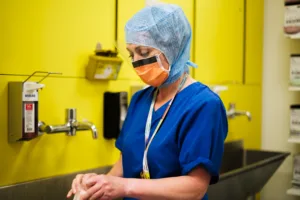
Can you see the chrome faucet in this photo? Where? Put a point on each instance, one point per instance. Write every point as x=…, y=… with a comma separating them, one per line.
x=232, y=112
x=71, y=126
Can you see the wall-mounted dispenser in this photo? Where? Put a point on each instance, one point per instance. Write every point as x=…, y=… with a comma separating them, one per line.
x=115, y=110
x=103, y=65
x=23, y=108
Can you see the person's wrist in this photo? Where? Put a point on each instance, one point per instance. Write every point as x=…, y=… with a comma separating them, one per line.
x=126, y=185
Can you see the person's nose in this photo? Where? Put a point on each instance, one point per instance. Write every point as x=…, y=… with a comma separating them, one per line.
x=137, y=57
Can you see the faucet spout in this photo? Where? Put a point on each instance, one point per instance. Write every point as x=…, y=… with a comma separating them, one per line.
x=57, y=128
x=232, y=112
x=71, y=126
x=86, y=126
x=244, y=113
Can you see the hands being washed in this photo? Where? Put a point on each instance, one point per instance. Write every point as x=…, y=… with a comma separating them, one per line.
x=97, y=187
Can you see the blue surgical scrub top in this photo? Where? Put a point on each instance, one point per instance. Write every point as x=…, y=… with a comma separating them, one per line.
x=191, y=135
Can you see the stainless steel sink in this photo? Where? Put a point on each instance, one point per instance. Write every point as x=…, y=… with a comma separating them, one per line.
x=244, y=172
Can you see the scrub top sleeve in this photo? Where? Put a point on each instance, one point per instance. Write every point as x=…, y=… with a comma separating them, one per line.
x=202, y=136
x=119, y=141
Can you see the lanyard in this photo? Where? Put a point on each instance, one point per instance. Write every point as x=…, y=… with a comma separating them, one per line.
x=145, y=174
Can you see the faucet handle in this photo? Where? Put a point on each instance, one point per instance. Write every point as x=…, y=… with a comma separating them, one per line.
x=71, y=115
x=42, y=127
x=231, y=105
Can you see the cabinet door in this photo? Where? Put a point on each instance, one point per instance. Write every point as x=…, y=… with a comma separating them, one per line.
x=55, y=36
x=219, y=41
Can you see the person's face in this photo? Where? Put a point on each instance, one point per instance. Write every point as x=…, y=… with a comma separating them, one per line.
x=138, y=52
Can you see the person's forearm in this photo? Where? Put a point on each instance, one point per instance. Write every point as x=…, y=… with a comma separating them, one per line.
x=117, y=169
x=183, y=187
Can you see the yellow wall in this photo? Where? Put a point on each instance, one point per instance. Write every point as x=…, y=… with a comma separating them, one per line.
x=56, y=36
x=53, y=35
x=219, y=41
x=246, y=97
x=51, y=155
x=59, y=36
x=229, y=52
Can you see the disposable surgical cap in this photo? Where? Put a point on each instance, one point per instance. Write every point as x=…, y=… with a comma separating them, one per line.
x=166, y=28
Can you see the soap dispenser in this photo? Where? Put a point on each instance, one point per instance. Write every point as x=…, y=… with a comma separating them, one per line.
x=23, y=108
x=30, y=109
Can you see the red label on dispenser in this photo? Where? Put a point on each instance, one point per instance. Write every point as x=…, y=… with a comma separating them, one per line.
x=29, y=106
x=29, y=118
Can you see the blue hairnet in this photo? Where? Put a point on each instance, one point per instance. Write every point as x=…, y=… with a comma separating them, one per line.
x=163, y=27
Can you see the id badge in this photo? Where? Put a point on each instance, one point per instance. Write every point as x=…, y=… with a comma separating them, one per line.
x=145, y=175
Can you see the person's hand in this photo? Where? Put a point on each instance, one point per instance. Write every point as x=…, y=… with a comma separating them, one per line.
x=104, y=187
x=79, y=183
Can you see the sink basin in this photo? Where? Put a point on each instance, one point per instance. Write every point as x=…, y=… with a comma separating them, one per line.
x=244, y=172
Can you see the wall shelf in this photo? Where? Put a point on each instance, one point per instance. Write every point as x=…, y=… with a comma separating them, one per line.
x=294, y=37
x=294, y=88
x=294, y=140
x=293, y=191
x=295, y=182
